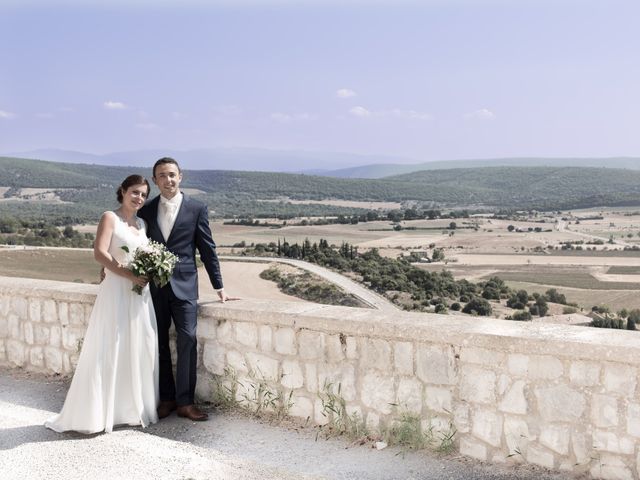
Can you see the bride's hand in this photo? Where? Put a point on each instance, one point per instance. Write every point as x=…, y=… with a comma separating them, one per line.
x=140, y=281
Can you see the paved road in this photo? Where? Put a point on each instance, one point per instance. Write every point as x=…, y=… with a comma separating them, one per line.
x=367, y=296
x=227, y=447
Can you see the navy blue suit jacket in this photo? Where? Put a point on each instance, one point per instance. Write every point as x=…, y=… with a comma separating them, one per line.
x=190, y=232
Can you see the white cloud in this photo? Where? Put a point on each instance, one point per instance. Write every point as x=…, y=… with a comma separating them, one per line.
x=44, y=115
x=345, y=93
x=6, y=115
x=147, y=126
x=178, y=115
x=482, y=114
x=111, y=105
x=287, y=117
x=393, y=113
x=410, y=114
x=360, y=112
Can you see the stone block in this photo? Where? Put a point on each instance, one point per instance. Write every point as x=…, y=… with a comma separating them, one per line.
x=604, y=411
x=66, y=363
x=285, y=341
x=311, y=345
x=515, y=400
x=620, y=378
x=481, y=356
x=487, y=426
x=36, y=357
x=633, y=419
x=263, y=367
x=409, y=395
x=16, y=352
x=20, y=307
x=207, y=329
x=438, y=399
x=224, y=332
x=5, y=305
x=28, y=333
x=544, y=367
x=517, y=436
x=539, y=456
x=473, y=448
x=375, y=354
x=435, y=365
x=378, y=392
x=72, y=338
x=340, y=377
x=35, y=306
x=4, y=326
x=556, y=438
x=311, y=377
x=41, y=334
x=235, y=360
x=352, y=348
x=611, y=442
x=611, y=467
x=88, y=308
x=63, y=313
x=373, y=422
x=14, y=327
x=477, y=385
x=302, y=407
x=581, y=445
x=76, y=314
x=213, y=358
x=55, y=339
x=334, y=348
x=49, y=311
x=403, y=358
x=322, y=416
x=265, y=336
x=292, y=376
x=3, y=352
x=585, y=374
x=246, y=334
x=518, y=364
x=560, y=403
x=53, y=360
x=461, y=418
x=440, y=427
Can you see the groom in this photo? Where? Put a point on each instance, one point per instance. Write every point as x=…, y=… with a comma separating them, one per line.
x=182, y=224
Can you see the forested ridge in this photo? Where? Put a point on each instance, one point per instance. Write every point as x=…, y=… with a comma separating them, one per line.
x=90, y=188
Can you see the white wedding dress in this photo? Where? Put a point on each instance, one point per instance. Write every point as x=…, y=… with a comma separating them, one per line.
x=116, y=379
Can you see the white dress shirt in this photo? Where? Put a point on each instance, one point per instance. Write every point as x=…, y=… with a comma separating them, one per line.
x=167, y=213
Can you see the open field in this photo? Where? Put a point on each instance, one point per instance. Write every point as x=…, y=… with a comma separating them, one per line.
x=242, y=279
x=477, y=249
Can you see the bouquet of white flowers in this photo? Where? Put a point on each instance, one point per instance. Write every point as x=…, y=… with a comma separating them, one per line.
x=153, y=261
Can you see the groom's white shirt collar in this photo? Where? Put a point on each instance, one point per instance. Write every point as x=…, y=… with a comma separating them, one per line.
x=176, y=200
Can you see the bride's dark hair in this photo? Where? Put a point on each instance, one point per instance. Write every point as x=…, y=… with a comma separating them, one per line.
x=129, y=181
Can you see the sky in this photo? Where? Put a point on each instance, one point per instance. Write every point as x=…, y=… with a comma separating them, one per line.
x=428, y=80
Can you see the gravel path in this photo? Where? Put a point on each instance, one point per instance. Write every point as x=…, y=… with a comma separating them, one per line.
x=367, y=296
x=228, y=447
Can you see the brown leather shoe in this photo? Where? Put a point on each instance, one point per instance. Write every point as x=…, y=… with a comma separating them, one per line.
x=166, y=407
x=192, y=413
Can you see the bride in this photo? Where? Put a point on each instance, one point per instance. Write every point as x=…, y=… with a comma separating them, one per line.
x=116, y=379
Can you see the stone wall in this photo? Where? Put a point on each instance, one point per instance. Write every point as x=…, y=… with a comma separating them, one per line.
x=561, y=397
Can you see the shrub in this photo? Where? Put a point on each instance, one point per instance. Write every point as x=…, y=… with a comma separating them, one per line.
x=455, y=306
x=478, y=306
x=521, y=316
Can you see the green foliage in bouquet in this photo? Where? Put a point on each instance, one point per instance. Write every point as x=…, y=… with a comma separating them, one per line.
x=153, y=261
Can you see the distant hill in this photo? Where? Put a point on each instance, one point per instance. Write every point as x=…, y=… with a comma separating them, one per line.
x=383, y=170
x=90, y=188
x=245, y=159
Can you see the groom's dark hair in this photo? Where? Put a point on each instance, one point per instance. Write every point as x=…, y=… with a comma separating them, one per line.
x=164, y=161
